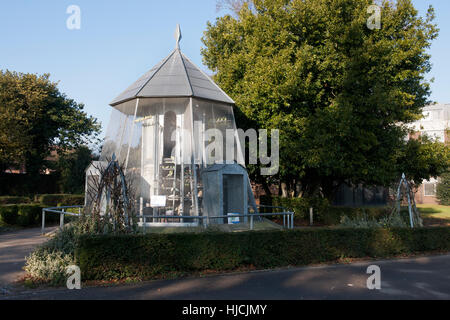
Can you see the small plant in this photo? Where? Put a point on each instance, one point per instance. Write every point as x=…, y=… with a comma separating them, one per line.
x=47, y=266
x=394, y=220
x=48, y=263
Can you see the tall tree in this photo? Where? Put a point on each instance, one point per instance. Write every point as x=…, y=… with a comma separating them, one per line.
x=71, y=167
x=340, y=94
x=36, y=118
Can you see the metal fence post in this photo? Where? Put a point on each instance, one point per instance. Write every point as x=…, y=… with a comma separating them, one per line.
x=251, y=222
x=43, y=221
x=61, y=219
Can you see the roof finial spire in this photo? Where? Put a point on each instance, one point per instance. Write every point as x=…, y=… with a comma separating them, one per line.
x=178, y=36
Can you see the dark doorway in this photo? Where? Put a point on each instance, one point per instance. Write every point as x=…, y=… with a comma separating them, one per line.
x=170, y=126
x=233, y=194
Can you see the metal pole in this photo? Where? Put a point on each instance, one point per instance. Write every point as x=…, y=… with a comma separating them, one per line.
x=311, y=216
x=131, y=136
x=43, y=221
x=194, y=172
x=409, y=206
x=61, y=220
x=181, y=150
x=251, y=222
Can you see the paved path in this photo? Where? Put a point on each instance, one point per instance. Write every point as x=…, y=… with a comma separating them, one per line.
x=14, y=247
x=418, y=278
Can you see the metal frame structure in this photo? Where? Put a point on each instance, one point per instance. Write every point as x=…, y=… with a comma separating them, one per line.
x=414, y=215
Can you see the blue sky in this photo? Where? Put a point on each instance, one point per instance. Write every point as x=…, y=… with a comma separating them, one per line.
x=120, y=40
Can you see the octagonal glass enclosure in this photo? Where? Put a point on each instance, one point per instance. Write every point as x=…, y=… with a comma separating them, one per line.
x=165, y=129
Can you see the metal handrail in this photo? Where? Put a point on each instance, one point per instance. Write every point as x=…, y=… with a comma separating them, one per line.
x=62, y=213
x=288, y=217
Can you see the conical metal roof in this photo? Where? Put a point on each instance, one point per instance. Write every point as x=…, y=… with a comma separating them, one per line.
x=175, y=76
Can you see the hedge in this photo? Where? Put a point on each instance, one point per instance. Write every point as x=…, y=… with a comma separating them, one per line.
x=14, y=200
x=18, y=211
x=162, y=255
x=24, y=215
x=323, y=212
x=54, y=200
x=8, y=214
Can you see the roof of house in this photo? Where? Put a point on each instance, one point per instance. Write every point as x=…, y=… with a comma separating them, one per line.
x=175, y=76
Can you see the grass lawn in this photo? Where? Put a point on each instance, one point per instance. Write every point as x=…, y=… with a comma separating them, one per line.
x=435, y=214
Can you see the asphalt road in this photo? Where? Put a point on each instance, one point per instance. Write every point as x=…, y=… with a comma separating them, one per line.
x=417, y=278
x=14, y=247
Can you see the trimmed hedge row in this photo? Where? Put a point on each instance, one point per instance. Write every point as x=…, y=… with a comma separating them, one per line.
x=18, y=211
x=46, y=199
x=14, y=200
x=25, y=215
x=21, y=215
x=323, y=211
x=60, y=200
x=160, y=255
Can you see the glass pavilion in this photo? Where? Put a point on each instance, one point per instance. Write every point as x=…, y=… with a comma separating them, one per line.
x=158, y=131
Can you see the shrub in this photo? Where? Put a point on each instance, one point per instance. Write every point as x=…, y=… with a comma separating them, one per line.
x=29, y=215
x=14, y=200
x=9, y=214
x=161, y=255
x=54, y=200
x=334, y=215
x=443, y=189
x=48, y=262
x=25, y=215
x=393, y=221
x=300, y=206
x=48, y=266
x=323, y=211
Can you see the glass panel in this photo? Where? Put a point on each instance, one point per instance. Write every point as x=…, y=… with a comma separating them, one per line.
x=114, y=135
x=209, y=116
x=154, y=143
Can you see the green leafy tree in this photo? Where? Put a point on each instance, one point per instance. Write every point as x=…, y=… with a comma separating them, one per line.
x=443, y=189
x=72, y=167
x=340, y=94
x=423, y=158
x=36, y=118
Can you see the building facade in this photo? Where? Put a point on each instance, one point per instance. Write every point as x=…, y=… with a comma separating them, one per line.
x=434, y=124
